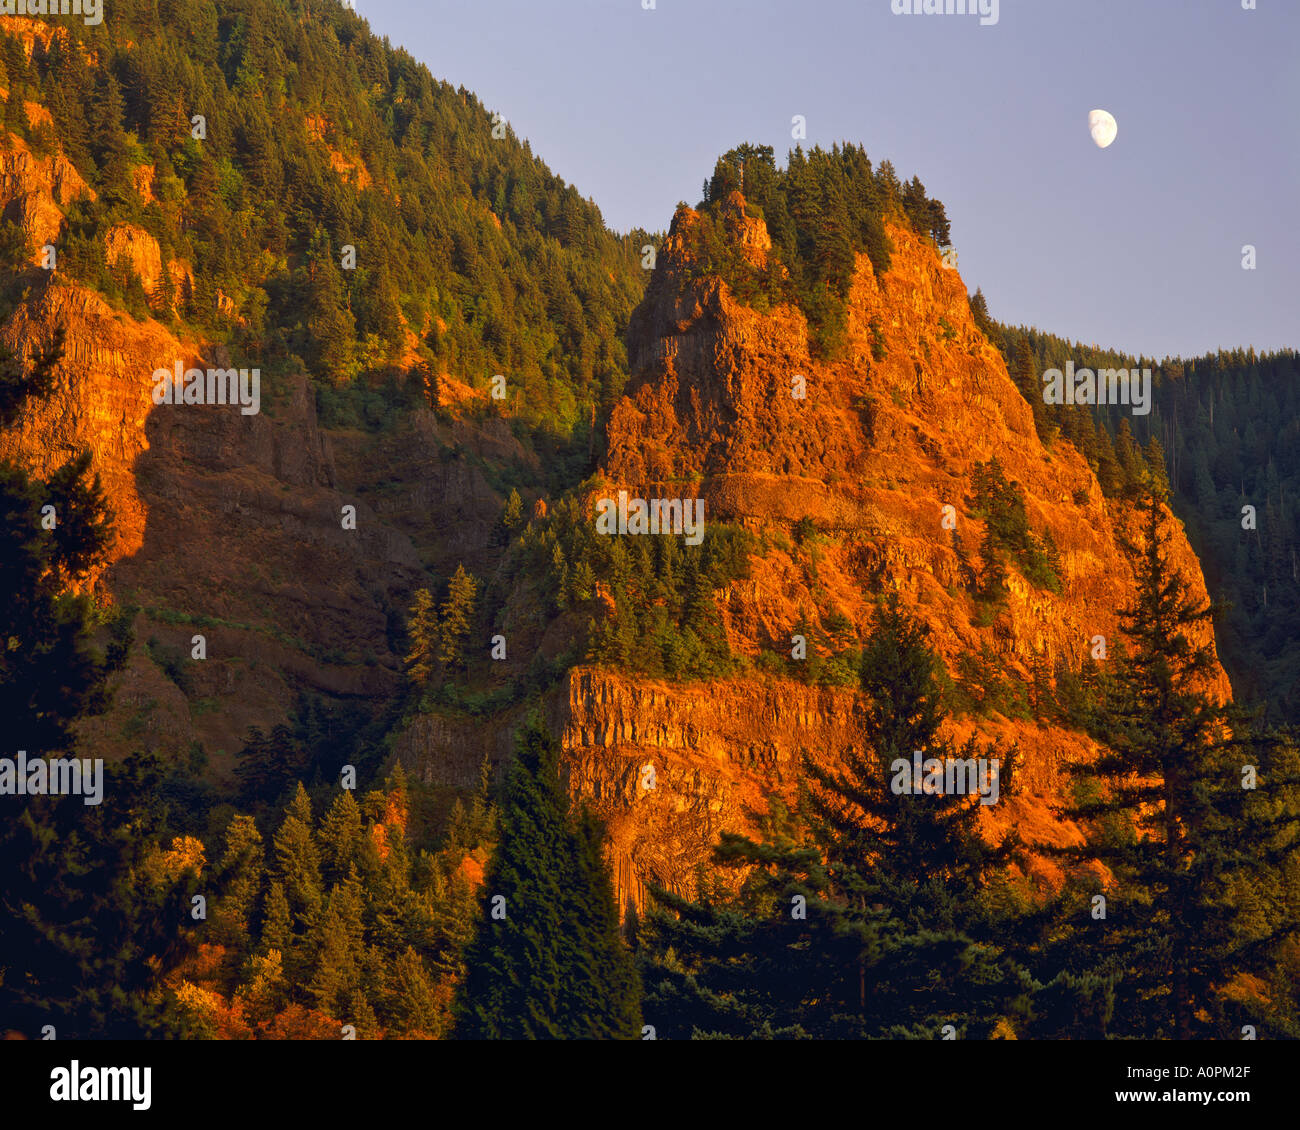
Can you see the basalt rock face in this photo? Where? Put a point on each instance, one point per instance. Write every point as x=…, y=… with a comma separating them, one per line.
x=35, y=190
x=872, y=454
x=228, y=526
x=231, y=525
x=884, y=438
x=671, y=766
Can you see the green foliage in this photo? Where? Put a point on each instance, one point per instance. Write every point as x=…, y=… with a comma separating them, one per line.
x=864, y=915
x=819, y=210
x=665, y=618
x=268, y=763
x=547, y=961
x=457, y=616
x=1179, y=830
x=422, y=630
x=342, y=918
x=87, y=933
x=468, y=248
x=1001, y=505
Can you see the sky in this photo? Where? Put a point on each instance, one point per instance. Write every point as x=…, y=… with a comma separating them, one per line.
x=1137, y=247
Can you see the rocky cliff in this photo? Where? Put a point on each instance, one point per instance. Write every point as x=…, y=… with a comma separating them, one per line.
x=229, y=526
x=881, y=441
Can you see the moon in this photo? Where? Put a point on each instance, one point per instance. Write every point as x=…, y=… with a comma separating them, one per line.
x=1103, y=128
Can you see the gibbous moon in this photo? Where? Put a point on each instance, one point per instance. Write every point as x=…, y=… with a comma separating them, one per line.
x=1102, y=127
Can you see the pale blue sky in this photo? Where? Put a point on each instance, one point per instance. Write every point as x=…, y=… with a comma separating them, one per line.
x=1137, y=246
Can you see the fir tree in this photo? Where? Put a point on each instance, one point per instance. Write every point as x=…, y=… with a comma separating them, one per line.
x=422, y=631
x=1167, y=812
x=296, y=864
x=238, y=876
x=457, y=618
x=546, y=961
x=340, y=838
x=603, y=1001
x=513, y=517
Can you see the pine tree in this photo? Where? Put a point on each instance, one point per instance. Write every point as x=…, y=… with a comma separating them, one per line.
x=422, y=630
x=277, y=923
x=296, y=864
x=340, y=838
x=1107, y=467
x=413, y=1010
x=108, y=135
x=1166, y=813
x=338, y=943
x=457, y=618
x=993, y=574
x=604, y=992
x=268, y=763
x=546, y=961
x=1154, y=457
x=516, y=967
x=238, y=877
x=513, y=517
x=1129, y=459
x=330, y=326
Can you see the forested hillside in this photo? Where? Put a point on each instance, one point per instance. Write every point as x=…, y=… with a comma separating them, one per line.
x=256, y=140
x=1224, y=435
x=401, y=744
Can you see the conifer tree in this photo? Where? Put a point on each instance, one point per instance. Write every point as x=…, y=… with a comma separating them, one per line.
x=1129, y=459
x=412, y=1003
x=513, y=517
x=1108, y=472
x=238, y=877
x=516, y=967
x=339, y=945
x=277, y=923
x=546, y=961
x=340, y=838
x=422, y=630
x=993, y=574
x=1166, y=813
x=1154, y=457
x=457, y=618
x=604, y=992
x=296, y=864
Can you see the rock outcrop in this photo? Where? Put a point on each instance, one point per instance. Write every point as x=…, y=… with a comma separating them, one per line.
x=883, y=439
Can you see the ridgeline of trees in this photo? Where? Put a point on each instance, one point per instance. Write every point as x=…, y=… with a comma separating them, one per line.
x=470, y=255
x=820, y=210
